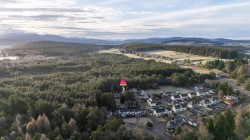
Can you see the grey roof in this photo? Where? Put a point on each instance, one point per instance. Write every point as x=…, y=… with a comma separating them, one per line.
x=214, y=98
x=193, y=93
x=184, y=95
x=159, y=110
x=177, y=106
x=184, y=104
x=177, y=96
x=174, y=124
x=206, y=101
x=193, y=102
x=131, y=110
x=168, y=108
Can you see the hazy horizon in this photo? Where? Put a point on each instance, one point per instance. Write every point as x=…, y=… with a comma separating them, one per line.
x=127, y=19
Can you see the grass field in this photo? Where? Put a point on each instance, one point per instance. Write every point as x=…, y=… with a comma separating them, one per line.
x=168, y=89
x=172, y=54
x=139, y=121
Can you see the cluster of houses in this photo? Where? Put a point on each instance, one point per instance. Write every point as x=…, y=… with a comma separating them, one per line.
x=175, y=104
x=155, y=56
x=221, y=75
x=180, y=102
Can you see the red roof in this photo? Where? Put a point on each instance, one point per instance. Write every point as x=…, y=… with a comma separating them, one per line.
x=123, y=82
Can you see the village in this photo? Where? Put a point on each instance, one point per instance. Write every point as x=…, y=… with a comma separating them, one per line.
x=170, y=110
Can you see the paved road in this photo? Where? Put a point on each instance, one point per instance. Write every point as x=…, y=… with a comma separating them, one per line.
x=158, y=128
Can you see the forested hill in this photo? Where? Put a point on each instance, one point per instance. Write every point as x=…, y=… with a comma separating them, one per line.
x=213, y=51
x=52, y=48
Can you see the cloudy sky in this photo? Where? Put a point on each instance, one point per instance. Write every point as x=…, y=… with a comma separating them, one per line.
x=123, y=19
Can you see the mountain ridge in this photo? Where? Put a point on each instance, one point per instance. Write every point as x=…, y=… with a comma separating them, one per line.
x=21, y=38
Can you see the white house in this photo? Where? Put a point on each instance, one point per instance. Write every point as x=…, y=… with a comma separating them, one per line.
x=231, y=99
x=151, y=102
x=175, y=97
x=200, y=93
x=211, y=91
x=228, y=97
x=184, y=96
x=205, y=102
x=161, y=111
x=177, y=108
x=131, y=112
x=221, y=75
x=191, y=95
x=192, y=104
x=214, y=100
x=192, y=122
x=197, y=88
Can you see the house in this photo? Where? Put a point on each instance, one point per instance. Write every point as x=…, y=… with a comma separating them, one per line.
x=184, y=96
x=205, y=102
x=131, y=104
x=151, y=102
x=183, y=106
x=175, y=97
x=161, y=111
x=142, y=95
x=177, y=108
x=200, y=93
x=192, y=104
x=192, y=95
x=174, y=124
x=192, y=121
x=131, y=112
x=211, y=91
x=197, y=88
x=214, y=100
x=221, y=75
x=231, y=99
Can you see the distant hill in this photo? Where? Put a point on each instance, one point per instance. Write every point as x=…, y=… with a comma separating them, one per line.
x=20, y=38
x=53, y=48
x=219, y=41
x=218, y=52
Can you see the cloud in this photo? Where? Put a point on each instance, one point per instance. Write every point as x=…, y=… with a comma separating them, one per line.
x=121, y=19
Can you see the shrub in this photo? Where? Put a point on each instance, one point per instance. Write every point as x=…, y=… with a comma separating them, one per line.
x=149, y=124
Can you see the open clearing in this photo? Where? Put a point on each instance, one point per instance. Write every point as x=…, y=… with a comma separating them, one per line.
x=168, y=88
x=138, y=121
x=195, y=59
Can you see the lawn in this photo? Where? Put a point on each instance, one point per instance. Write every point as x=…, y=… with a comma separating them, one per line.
x=184, y=114
x=137, y=120
x=168, y=88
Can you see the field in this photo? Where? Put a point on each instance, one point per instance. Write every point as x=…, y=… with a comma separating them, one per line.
x=195, y=59
x=137, y=121
x=168, y=89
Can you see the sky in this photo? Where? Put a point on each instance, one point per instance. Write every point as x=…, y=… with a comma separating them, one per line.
x=127, y=19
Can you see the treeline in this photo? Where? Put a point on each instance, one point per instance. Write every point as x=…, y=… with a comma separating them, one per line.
x=225, y=125
x=52, y=48
x=196, y=50
x=237, y=69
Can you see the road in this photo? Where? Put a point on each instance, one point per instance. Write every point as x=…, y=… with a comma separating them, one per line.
x=158, y=128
